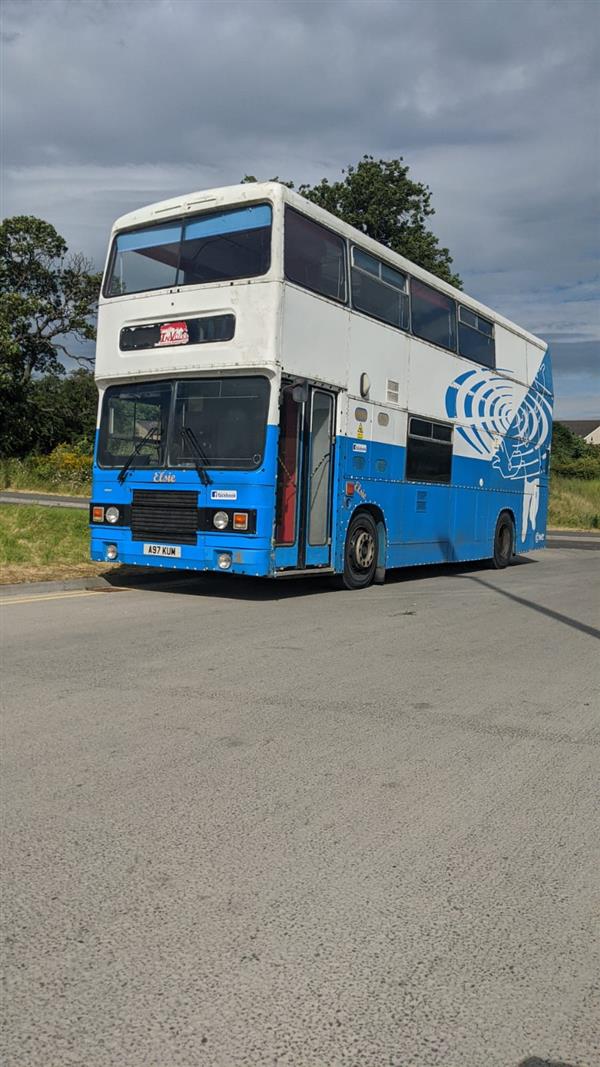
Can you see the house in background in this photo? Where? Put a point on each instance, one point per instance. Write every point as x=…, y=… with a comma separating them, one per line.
x=589, y=429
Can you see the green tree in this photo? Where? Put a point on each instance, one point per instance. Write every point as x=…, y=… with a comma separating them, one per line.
x=47, y=298
x=567, y=445
x=378, y=197
x=47, y=305
x=63, y=410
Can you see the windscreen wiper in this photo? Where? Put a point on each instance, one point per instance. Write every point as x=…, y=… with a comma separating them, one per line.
x=123, y=472
x=200, y=457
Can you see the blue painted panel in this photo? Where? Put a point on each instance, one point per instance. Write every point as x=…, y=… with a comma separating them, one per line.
x=248, y=218
x=159, y=235
x=252, y=553
x=317, y=555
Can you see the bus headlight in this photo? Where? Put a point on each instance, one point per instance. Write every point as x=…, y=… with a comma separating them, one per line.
x=224, y=561
x=112, y=515
x=111, y=552
x=221, y=520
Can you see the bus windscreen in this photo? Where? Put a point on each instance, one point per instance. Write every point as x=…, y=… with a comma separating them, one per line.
x=214, y=247
x=227, y=417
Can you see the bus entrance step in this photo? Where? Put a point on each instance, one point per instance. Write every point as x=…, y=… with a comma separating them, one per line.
x=306, y=573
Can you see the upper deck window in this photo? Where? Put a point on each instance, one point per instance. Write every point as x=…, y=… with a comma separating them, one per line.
x=379, y=290
x=433, y=315
x=214, y=247
x=476, y=337
x=314, y=256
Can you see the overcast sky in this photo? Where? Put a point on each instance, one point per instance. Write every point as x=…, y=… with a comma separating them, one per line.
x=493, y=103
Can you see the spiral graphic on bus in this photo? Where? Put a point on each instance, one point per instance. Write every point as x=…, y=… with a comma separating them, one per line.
x=499, y=423
x=512, y=427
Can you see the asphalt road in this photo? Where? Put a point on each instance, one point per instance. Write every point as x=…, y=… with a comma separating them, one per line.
x=260, y=823
x=50, y=500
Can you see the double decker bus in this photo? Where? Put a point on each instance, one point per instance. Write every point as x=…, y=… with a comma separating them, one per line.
x=281, y=395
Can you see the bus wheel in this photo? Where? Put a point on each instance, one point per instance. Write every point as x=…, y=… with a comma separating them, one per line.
x=504, y=541
x=360, y=552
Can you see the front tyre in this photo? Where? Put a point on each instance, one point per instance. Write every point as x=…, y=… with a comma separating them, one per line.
x=360, y=552
x=504, y=541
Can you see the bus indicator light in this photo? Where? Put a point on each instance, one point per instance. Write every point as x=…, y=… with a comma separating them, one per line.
x=240, y=520
x=97, y=514
x=349, y=488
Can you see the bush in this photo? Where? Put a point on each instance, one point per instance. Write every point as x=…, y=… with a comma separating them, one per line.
x=571, y=456
x=584, y=467
x=70, y=464
x=68, y=468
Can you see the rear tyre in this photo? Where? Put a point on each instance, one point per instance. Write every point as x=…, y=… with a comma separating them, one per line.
x=360, y=552
x=504, y=541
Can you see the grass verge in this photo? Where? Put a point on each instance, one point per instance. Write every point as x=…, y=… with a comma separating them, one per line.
x=39, y=544
x=574, y=503
x=48, y=544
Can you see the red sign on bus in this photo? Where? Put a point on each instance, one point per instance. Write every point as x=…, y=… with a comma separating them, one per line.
x=173, y=333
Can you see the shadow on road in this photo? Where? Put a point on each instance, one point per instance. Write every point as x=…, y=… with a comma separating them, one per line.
x=565, y=619
x=535, y=1061
x=240, y=587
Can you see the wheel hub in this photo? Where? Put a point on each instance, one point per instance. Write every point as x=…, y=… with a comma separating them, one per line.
x=364, y=550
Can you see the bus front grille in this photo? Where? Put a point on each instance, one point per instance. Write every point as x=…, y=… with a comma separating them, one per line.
x=164, y=515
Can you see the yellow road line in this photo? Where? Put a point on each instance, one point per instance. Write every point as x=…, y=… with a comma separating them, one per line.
x=46, y=596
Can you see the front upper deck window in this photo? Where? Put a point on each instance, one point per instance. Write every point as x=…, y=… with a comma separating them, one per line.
x=214, y=247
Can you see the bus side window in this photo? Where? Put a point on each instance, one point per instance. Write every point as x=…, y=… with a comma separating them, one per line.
x=314, y=257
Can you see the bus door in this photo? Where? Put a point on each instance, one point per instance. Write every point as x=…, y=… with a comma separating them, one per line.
x=304, y=477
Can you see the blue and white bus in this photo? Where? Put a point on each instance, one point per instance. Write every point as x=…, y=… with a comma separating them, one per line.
x=281, y=395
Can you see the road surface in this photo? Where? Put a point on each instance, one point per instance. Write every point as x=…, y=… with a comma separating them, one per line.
x=50, y=500
x=254, y=823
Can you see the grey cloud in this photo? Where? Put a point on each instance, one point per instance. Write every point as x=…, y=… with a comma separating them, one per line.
x=492, y=103
x=576, y=358
x=202, y=75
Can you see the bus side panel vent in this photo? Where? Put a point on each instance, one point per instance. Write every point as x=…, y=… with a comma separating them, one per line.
x=392, y=392
x=421, y=500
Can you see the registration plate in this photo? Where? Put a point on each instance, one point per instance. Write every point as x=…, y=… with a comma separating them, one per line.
x=172, y=551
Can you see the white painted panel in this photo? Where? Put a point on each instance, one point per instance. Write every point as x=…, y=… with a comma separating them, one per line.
x=358, y=426
x=511, y=354
x=382, y=353
x=254, y=304
x=535, y=356
x=431, y=370
x=387, y=433
x=314, y=337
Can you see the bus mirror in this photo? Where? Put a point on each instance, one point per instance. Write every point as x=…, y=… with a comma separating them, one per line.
x=300, y=394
